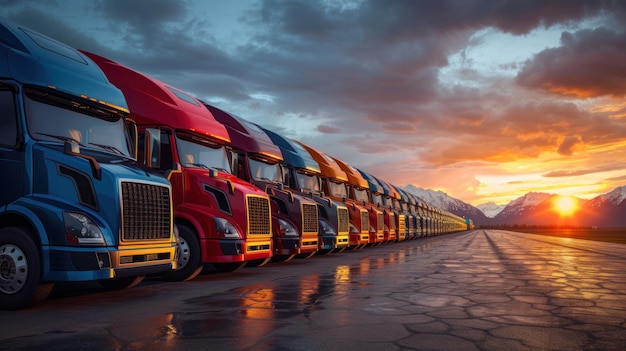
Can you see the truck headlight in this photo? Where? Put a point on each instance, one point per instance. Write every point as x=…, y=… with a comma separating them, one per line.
x=286, y=229
x=80, y=229
x=354, y=229
x=326, y=228
x=226, y=229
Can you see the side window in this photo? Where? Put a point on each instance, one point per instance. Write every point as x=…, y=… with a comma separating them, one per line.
x=8, y=119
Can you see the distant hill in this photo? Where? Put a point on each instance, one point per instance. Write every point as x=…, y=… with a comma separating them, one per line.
x=534, y=208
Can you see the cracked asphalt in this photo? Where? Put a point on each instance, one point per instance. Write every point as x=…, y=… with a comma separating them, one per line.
x=476, y=290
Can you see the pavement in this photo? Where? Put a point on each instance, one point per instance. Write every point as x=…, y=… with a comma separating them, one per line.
x=477, y=290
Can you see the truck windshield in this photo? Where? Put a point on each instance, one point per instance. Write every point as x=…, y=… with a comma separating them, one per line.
x=193, y=152
x=396, y=204
x=308, y=182
x=338, y=189
x=377, y=199
x=361, y=195
x=51, y=123
x=260, y=170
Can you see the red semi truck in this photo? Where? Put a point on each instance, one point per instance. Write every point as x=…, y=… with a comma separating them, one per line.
x=222, y=220
x=257, y=160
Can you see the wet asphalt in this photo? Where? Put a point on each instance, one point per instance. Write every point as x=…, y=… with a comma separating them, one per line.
x=477, y=290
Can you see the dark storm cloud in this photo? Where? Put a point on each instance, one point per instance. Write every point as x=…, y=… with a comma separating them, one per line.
x=376, y=63
x=589, y=63
x=380, y=55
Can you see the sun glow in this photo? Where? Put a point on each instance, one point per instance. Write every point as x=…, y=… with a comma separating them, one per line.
x=565, y=205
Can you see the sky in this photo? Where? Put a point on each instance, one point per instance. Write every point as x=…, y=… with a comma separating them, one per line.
x=485, y=100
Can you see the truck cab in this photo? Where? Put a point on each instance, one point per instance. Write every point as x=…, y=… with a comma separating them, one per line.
x=411, y=206
x=74, y=204
x=409, y=218
x=358, y=191
x=396, y=219
x=257, y=160
x=335, y=185
x=377, y=196
x=301, y=175
x=222, y=220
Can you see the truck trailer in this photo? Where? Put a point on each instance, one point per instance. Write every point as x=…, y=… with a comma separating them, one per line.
x=74, y=204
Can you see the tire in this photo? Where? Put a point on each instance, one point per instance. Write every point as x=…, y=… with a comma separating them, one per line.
x=189, y=265
x=20, y=270
x=230, y=266
x=121, y=283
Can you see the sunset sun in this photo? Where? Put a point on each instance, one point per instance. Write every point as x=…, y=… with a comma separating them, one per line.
x=565, y=205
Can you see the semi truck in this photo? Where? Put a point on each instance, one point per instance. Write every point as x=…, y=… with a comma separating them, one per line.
x=405, y=208
x=257, y=160
x=358, y=188
x=396, y=219
x=222, y=220
x=334, y=184
x=301, y=174
x=377, y=195
x=74, y=204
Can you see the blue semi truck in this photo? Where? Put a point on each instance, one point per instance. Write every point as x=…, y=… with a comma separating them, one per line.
x=74, y=204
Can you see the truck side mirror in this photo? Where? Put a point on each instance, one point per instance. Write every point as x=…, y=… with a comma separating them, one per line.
x=152, y=154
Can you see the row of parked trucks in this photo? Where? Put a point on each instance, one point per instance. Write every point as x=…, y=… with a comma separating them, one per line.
x=109, y=175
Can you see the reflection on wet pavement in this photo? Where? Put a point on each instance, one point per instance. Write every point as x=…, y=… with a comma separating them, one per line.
x=481, y=290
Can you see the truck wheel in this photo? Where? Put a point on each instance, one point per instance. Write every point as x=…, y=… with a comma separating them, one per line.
x=121, y=283
x=230, y=266
x=189, y=265
x=20, y=270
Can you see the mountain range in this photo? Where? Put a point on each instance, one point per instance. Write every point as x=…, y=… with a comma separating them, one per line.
x=534, y=208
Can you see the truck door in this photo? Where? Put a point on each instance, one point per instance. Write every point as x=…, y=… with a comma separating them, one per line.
x=12, y=161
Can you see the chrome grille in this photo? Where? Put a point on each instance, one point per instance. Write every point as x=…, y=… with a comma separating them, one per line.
x=259, y=220
x=365, y=221
x=344, y=221
x=146, y=212
x=402, y=223
x=309, y=218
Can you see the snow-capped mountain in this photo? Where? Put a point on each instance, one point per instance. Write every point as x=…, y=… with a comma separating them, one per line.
x=614, y=197
x=524, y=204
x=490, y=209
x=534, y=208
x=443, y=201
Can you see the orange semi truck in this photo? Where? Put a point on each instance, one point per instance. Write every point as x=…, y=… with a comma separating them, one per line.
x=334, y=184
x=301, y=174
x=257, y=160
x=222, y=220
x=358, y=191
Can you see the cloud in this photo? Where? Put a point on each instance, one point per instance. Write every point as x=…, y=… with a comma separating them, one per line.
x=578, y=172
x=589, y=63
x=568, y=145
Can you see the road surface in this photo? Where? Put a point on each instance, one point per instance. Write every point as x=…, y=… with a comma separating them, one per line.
x=476, y=290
